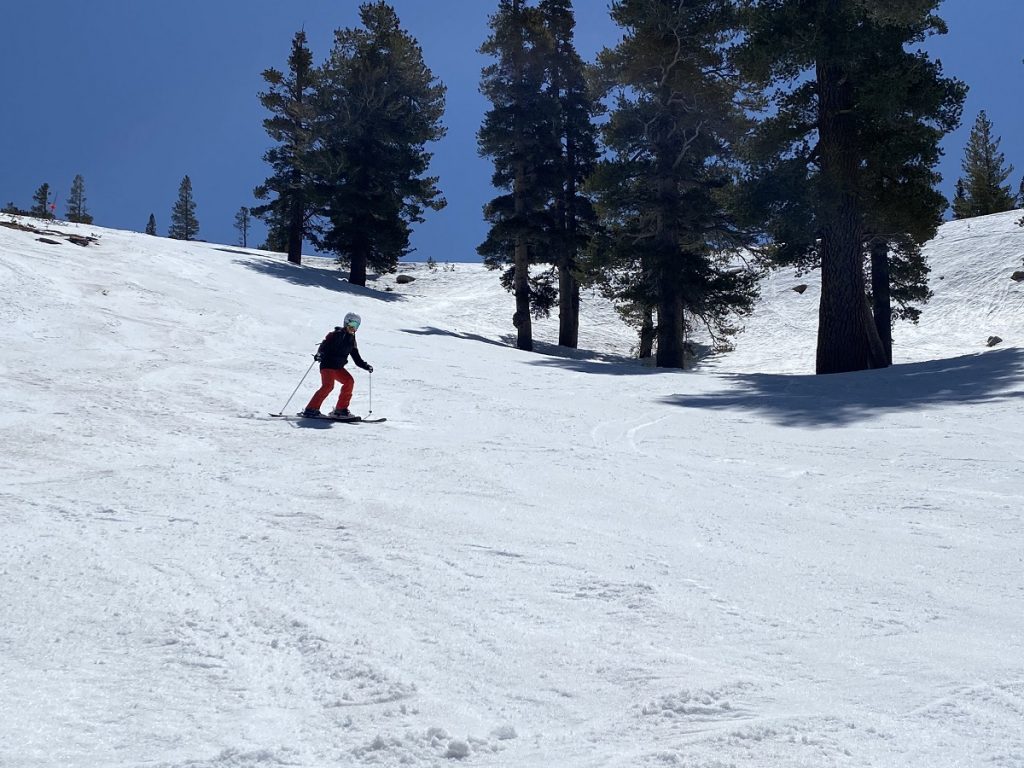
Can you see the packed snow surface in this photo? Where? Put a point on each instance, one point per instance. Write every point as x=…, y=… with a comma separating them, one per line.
x=541, y=559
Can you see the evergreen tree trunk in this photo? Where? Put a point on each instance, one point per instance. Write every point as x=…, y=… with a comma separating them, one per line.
x=670, y=327
x=297, y=204
x=522, y=319
x=568, y=307
x=847, y=337
x=360, y=257
x=296, y=220
x=647, y=333
x=881, y=294
x=568, y=285
x=670, y=299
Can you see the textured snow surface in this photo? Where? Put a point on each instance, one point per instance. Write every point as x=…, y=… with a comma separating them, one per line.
x=541, y=559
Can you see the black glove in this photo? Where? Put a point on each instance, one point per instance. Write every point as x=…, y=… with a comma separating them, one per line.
x=317, y=357
x=369, y=368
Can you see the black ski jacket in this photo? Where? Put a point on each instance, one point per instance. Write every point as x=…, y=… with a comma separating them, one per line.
x=335, y=349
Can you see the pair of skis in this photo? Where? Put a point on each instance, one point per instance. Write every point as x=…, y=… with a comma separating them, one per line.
x=324, y=417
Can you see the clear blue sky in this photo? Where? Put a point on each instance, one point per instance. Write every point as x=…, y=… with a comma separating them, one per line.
x=134, y=94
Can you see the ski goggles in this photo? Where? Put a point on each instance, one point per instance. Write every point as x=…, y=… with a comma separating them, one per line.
x=353, y=324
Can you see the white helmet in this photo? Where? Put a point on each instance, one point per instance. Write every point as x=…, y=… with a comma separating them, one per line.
x=353, y=319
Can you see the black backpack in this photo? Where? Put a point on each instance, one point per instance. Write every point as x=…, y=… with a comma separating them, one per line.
x=333, y=347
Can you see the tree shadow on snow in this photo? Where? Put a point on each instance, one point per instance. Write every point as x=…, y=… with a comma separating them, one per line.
x=433, y=331
x=579, y=360
x=840, y=399
x=597, y=363
x=314, y=276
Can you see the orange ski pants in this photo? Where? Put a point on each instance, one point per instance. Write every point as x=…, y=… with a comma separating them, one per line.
x=327, y=378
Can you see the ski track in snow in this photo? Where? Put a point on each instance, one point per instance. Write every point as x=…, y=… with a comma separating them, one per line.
x=541, y=559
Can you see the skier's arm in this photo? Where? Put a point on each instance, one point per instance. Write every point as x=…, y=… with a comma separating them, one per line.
x=358, y=359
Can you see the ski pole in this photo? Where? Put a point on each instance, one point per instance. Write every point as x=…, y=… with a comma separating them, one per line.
x=296, y=388
x=371, y=394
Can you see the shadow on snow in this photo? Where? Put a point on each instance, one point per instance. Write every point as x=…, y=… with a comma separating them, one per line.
x=311, y=423
x=579, y=360
x=840, y=399
x=432, y=331
x=314, y=276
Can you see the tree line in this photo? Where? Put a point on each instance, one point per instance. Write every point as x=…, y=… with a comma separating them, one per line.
x=44, y=204
x=717, y=139
x=184, y=224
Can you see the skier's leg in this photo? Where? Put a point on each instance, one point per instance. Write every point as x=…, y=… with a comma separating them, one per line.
x=326, y=385
x=348, y=385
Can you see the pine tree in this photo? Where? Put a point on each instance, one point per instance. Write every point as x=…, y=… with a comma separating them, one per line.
x=151, y=225
x=379, y=105
x=906, y=113
x=985, y=172
x=663, y=194
x=41, y=203
x=77, y=211
x=821, y=170
x=291, y=101
x=184, y=225
x=959, y=196
x=277, y=234
x=520, y=134
x=574, y=215
x=242, y=225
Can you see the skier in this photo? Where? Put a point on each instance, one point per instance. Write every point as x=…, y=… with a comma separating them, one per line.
x=333, y=354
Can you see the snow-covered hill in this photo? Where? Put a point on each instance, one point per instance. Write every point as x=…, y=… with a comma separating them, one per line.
x=539, y=560
x=972, y=262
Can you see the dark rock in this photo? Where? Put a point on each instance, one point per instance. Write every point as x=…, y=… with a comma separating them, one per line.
x=1017, y=276
x=992, y=341
x=800, y=288
x=401, y=279
x=16, y=225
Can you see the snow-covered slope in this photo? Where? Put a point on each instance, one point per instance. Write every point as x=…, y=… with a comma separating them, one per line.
x=539, y=560
x=974, y=298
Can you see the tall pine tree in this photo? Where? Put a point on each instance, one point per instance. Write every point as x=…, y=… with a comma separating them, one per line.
x=184, y=225
x=908, y=108
x=290, y=99
x=664, y=192
x=817, y=157
x=151, y=225
x=574, y=218
x=982, y=189
x=77, y=211
x=521, y=136
x=41, y=203
x=379, y=106
x=242, y=220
